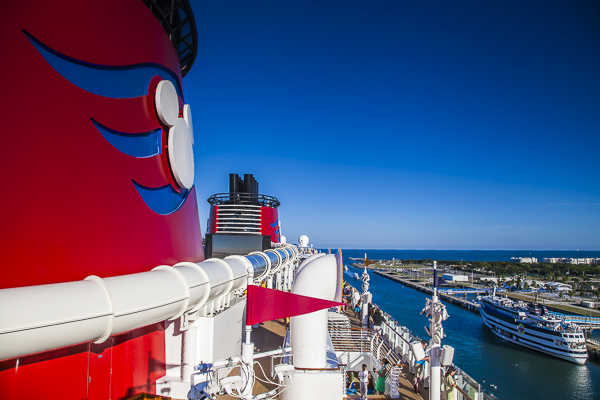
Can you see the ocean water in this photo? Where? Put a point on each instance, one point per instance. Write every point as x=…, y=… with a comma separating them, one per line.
x=518, y=373
x=468, y=255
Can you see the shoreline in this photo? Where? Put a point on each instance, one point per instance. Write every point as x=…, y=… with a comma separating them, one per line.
x=469, y=305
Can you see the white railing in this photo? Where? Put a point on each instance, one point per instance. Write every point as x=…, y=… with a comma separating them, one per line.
x=596, y=342
x=399, y=338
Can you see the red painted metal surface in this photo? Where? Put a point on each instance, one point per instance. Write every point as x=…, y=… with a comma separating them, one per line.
x=138, y=360
x=269, y=216
x=120, y=368
x=69, y=208
x=99, y=370
x=56, y=375
x=212, y=220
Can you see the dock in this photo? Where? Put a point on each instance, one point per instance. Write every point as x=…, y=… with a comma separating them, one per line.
x=593, y=347
x=469, y=305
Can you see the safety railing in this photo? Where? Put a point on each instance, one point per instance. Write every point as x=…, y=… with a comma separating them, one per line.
x=400, y=338
x=243, y=198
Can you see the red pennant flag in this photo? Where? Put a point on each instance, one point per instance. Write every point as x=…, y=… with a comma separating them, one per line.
x=269, y=304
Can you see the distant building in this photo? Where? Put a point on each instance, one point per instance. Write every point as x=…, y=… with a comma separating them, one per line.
x=553, y=260
x=574, y=261
x=455, y=278
x=538, y=284
x=524, y=260
x=561, y=287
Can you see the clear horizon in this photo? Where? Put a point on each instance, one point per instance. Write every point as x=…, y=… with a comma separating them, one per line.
x=405, y=124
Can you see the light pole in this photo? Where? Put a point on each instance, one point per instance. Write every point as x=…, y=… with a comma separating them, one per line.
x=437, y=313
x=366, y=297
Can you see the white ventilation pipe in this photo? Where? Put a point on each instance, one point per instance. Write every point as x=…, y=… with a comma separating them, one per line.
x=40, y=318
x=308, y=260
x=318, y=278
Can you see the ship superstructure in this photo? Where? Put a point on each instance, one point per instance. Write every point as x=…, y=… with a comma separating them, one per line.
x=242, y=220
x=532, y=327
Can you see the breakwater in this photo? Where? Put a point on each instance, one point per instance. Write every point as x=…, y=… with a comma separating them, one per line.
x=469, y=305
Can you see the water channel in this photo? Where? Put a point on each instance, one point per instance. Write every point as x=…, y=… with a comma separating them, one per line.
x=505, y=370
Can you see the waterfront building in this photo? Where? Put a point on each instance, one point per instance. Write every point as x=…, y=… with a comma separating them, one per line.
x=455, y=278
x=525, y=260
x=565, y=260
x=552, y=260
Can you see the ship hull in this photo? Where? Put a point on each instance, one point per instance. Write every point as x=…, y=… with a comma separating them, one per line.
x=538, y=341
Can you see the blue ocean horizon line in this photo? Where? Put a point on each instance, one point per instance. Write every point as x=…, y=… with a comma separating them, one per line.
x=463, y=255
x=365, y=249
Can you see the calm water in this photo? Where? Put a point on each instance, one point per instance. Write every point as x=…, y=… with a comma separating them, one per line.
x=467, y=255
x=517, y=372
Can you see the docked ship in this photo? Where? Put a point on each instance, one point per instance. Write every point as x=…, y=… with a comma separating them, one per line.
x=531, y=326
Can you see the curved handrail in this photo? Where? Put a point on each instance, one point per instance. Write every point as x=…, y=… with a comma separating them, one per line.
x=243, y=198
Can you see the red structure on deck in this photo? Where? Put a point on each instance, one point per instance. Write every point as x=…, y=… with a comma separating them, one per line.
x=91, y=185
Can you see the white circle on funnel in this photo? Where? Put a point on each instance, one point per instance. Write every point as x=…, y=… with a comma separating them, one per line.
x=181, y=153
x=166, y=103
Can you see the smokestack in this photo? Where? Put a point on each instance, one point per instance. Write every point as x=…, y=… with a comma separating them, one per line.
x=248, y=186
x=234, y=181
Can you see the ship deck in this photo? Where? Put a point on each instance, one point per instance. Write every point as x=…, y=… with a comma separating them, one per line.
x=270, y=335
x=405, y=387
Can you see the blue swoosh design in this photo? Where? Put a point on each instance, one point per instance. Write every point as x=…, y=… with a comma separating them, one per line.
x=140, y=145
x=117, y=82
x=274, y=224
x=162, y=200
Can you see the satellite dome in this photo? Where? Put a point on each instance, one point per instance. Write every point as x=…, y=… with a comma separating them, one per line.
x=282, y=239
x=303, y=240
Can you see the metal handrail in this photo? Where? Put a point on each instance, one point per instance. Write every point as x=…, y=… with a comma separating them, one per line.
x=388, y=325
x=363, y=340
x=243, y=198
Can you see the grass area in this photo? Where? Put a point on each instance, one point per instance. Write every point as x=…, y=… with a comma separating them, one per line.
x=401, y=266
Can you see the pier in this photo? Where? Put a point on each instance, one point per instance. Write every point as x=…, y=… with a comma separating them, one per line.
x=593, y=347
x=449, y=298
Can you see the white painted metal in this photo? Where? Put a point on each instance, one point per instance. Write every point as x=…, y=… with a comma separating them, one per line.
x=314, y=385
x=188, y=352
x=46, y=317
x=198, y=283
x=221, y=281
x=263, y=275
x=303, y=240
x=308, y=332
x=39, y=318
x=166, y=103
x=181, y=153
x=308, y=260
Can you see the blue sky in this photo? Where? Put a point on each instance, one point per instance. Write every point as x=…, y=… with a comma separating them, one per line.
x=405, y=124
